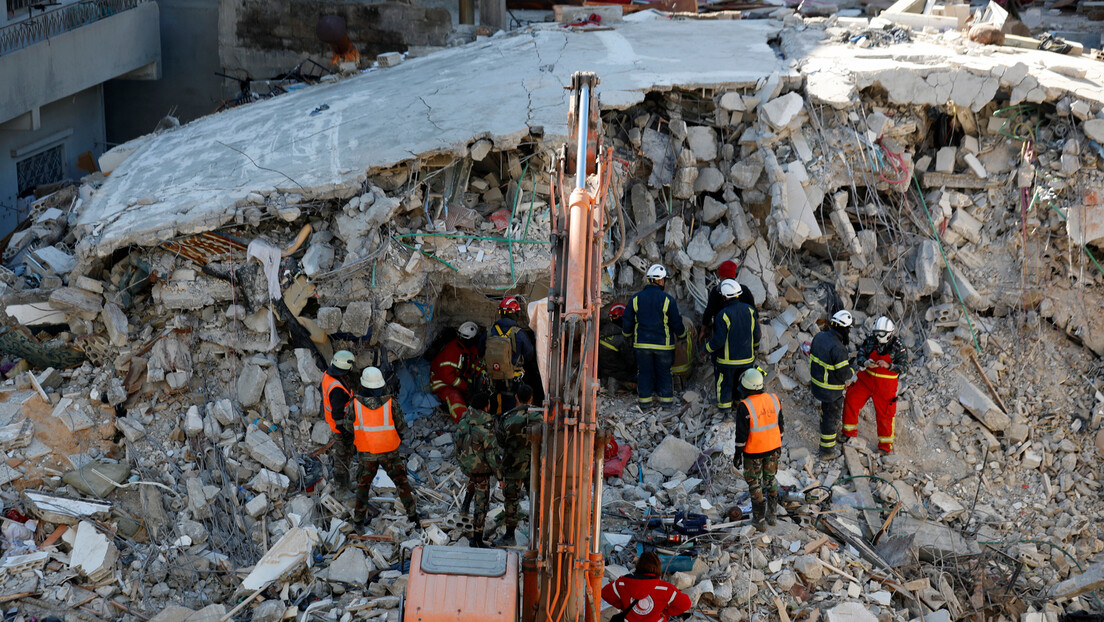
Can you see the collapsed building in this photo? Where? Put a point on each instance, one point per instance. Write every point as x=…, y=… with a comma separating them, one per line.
x=167, y=324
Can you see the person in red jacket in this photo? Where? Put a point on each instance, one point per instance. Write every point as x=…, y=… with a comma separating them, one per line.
x=454, y=368
x=643, y=596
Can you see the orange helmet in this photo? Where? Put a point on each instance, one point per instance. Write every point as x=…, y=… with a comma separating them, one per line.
x=616, y=311
x=509, y=304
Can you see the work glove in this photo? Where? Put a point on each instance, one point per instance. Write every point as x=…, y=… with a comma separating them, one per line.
x=738, y=459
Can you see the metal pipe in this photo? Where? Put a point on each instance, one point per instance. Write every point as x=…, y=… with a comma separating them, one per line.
x=583, y=115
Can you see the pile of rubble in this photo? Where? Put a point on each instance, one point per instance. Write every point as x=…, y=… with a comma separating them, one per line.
x=161, y=419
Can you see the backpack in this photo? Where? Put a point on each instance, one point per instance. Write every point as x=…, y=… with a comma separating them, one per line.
x=499, y=355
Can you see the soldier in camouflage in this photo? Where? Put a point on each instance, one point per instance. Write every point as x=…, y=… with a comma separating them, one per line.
x=513, y=438
x=371, y=399
x=477, y=451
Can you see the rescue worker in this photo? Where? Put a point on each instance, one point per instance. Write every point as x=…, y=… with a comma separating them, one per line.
x=829, y=374
x=616, y=363
x=521, y=353
x=378, y=425
x=716, y=302
x=642, y=596
x=881, y=358
x=653, y=323
x=454, y=370
x=735, y=338
x=513, y=439
x=478, y=455
x=335, y=400
x=759, y=430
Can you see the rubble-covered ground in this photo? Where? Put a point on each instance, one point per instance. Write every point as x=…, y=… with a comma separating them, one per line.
x=165, y=454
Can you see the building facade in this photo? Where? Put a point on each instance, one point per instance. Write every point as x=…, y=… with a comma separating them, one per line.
x=55, y=56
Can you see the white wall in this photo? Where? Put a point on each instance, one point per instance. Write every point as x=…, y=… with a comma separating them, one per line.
x=78, y=123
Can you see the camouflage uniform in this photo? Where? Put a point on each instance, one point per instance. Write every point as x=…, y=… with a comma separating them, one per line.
x=477, y=453
x=759, y=474
x=391, y=462
x=513, y=438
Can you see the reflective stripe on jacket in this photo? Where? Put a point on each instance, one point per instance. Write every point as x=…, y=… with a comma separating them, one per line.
x=329, y=383
x=374, y=430
x=763, y=433
x=829, y=367
x=735, y=335
x=652, y=319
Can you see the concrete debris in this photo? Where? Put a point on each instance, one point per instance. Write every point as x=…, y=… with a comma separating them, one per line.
x=146, y=362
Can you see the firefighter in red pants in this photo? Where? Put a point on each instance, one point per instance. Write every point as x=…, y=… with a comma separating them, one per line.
x=454, y=369
x=882, y=357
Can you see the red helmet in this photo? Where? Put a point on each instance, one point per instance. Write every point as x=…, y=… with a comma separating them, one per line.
x=616, y=311
x=509, y=304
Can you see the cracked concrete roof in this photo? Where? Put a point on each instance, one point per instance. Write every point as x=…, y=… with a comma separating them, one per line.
x=189, y=180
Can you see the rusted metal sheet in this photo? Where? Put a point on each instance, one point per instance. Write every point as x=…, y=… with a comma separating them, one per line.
x=204, y=248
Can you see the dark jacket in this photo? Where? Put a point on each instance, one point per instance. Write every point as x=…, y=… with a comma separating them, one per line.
x=735, y=335
x=829, y=367
x=652, y=319
x=615, y=354
x=717, y=302
x=743, y=419
x=893, y=348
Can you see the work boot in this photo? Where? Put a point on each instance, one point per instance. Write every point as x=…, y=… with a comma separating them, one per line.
x=509, y=538
x=757, y=514
x=830, y=453
x=477, y=540
x=772, y=509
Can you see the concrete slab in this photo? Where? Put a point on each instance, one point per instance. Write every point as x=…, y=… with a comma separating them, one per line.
x=191, y=178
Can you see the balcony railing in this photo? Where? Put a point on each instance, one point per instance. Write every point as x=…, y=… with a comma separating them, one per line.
x=53, y=23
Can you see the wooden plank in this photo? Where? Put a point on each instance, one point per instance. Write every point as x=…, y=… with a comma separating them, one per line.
x=1016, y=41
x=862, y=486
x=781, y=607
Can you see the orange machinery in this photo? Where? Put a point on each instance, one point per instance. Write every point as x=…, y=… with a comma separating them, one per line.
x=561, y=571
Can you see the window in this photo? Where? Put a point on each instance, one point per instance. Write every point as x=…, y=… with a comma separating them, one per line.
x=15, y=5
x=46, y=167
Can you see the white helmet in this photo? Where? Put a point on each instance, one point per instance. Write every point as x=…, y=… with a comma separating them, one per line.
x=468, y=330
x=656, y=272
x=883, y=329
x=843, y=319
x=371, y=378
x=343, y=359
x=752, y=380
x=730, y=288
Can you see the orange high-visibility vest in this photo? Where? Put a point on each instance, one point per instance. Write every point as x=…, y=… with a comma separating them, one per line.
x=328, y=384
x=763, y=432
x=374, y=430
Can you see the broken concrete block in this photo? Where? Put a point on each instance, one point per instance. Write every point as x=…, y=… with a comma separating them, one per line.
x=709, y=179
x=319, y=258
x=479, y=149
x=850, y=612
x=964, y=224
x=329, y=319
x=699, y=249
x=396, y=337
x=945, y=159
x=251, y=384
x=732, y=102
x=948, y=505
x=781, y=112
x=312, y=400
x=1076, y=585
x=1094, y=129
x=94, y=554
x=674, y=236
x=970, y=294
x=264, y=450
x=683, y=186
x=269, y=483
x=703, y=143
x=289, y=552
x=116, y=323
x=223, y=411
x=50, y=261
x=307, y=366
x=932, y=348
x=78, y=301
x=932, y=540
x=928, y=267
x=673, y=455
x=72, y=414
x=352, y=567
x=258, y=505
x=978, y=402
x=745, y=174
x=975, y=165
x=389, y=59
x=193, y=423
x=357, y=318
x=808, y=566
